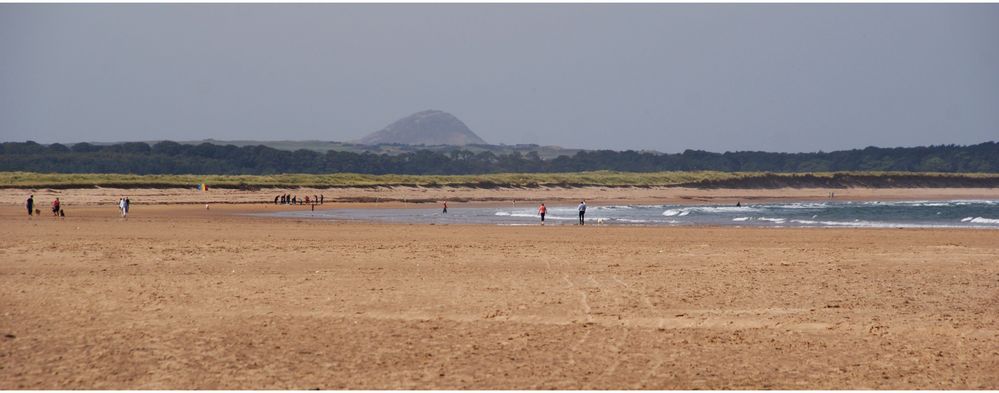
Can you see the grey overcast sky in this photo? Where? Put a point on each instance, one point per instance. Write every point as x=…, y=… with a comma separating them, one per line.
x=668, y=77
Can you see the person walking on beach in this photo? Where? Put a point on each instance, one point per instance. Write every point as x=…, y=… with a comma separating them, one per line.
x=121, y=206
x=30, y=203
x=582, y=211
x=445, y=207
x=541, y=211
x=56, y=207
x=276, y=199
x=322, y=199
x=128, y=204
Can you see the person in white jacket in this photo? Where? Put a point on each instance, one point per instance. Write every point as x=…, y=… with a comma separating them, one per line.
x=122, y=207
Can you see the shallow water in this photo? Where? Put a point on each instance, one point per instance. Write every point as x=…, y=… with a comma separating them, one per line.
x=904, y=214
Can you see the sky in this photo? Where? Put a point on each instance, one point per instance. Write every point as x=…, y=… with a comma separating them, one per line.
x=666, y=77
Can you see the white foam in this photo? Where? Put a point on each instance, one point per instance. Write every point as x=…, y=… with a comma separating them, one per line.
x=676, y=212
x=725, y=209
x=680, y=212
x=615, y=207
x=871, y=224
x=630, y=220
x=950, y=203
x=976, y=201
x=802, y=205
x=773, y=220
x=981, y=220
x=855, y=223
x=741, y=219
x=966, y=219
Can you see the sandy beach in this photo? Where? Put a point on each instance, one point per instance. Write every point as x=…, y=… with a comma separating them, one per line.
x=406, y=196
x=179, y=297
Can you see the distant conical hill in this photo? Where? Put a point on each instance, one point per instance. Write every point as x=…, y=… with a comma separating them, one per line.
x=425, y=128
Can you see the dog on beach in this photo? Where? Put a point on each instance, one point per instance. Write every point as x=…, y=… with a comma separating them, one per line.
x=38, y=212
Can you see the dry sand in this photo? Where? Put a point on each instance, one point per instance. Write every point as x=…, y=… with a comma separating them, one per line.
x=178, y=297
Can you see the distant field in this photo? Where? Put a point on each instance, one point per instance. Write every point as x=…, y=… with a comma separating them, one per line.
x=602, y=178
x=701, y=179
x=545, y=152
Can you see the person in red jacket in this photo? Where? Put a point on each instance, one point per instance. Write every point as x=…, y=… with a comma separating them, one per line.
x=55, y=207
x=541, y=211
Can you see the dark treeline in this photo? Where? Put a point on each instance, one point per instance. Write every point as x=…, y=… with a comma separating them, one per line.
x=175, y=158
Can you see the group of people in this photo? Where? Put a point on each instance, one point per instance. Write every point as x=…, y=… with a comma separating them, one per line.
x=123, y=204
x=542, y=210
x=288, y=199
x=56, y=207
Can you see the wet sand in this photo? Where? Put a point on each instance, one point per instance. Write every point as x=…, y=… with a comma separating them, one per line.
x=179, y=297
x=457, y=195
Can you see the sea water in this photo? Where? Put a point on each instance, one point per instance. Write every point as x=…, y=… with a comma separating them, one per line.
x=871, y=214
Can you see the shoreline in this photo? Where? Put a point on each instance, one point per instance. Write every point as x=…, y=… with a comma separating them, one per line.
x=458, y=196
x=354, y=213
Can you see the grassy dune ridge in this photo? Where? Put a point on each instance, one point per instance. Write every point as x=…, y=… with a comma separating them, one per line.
x=700, y=179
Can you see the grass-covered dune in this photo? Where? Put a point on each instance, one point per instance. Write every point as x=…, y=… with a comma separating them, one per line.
x=699, y=179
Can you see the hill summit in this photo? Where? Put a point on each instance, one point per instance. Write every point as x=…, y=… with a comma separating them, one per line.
x=425, y=128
